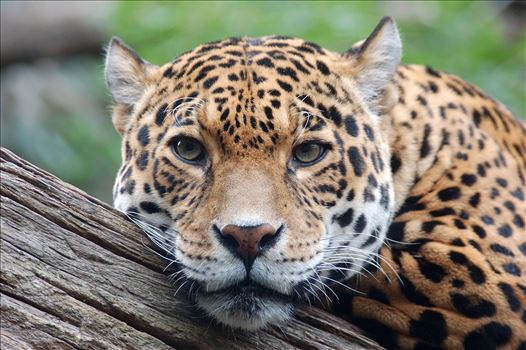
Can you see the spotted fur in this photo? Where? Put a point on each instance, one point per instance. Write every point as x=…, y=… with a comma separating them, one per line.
x=414, y=217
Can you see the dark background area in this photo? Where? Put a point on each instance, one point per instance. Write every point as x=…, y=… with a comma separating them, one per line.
x=54, y=105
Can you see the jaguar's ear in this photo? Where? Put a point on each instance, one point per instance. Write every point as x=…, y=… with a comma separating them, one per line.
x=375, y=59
x=127, y=76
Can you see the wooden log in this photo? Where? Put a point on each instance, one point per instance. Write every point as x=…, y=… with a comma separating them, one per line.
x=76, y=274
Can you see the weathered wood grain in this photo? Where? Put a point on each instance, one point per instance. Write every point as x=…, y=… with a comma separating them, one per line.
x=76, y=274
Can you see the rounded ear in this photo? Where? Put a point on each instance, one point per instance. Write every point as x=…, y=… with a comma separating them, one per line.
x=127, y=77
x=373, y=61
x=126, y=73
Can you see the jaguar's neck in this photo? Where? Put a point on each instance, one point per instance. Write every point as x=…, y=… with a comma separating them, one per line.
x=438, y=119
x=415, y=130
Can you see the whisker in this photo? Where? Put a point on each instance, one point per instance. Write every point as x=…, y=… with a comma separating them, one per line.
x=181, y=286
x=325, y=286
x=344, y=285
x=192, y=105
x=366, y=259
x=377, y=265
x=337, y=268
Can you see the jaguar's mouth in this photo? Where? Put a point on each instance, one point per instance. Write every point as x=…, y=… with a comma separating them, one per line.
x=249, y=288
x=246, y=305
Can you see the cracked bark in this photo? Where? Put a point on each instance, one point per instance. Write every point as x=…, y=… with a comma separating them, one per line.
x=76, y=274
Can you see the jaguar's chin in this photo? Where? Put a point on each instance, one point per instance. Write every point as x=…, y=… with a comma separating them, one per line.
x=248, y=306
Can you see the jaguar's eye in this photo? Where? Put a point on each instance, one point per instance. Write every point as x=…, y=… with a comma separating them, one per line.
x=188, y=149
x=308, y=153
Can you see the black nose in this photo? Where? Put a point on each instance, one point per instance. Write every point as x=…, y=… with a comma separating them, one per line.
x=248, y=241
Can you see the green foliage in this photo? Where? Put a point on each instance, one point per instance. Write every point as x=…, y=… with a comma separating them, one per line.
x=82, y=153
x=77, y=143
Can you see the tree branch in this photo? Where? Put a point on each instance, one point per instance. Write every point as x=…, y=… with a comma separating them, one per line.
x=76, y=274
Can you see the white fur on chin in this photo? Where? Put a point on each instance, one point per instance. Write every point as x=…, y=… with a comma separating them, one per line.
x=226, y=309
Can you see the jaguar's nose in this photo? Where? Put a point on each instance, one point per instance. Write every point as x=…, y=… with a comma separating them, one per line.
x=248, y=241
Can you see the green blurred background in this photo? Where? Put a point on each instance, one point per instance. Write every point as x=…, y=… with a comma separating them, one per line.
x=54, y=106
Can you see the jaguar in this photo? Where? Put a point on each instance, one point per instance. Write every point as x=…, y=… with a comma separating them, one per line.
x=276, y=172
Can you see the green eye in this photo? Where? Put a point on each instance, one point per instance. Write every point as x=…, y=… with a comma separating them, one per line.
x=188, y=149
x=308, y=153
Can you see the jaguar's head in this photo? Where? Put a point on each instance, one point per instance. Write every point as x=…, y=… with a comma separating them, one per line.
x=259, y=165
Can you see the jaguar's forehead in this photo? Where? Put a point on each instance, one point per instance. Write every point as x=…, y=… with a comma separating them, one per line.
x=250, y=92
x=266, y=51
x=266, y=67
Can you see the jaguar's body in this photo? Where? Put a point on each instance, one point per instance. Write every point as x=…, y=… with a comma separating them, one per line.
x=274, y=171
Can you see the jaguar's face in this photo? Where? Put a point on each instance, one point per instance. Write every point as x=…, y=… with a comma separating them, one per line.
x=259, y=165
